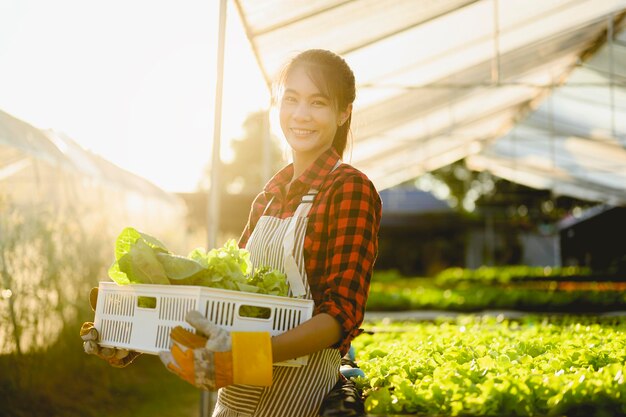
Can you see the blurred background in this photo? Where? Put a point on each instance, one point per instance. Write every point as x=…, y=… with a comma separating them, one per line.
x=495, y=131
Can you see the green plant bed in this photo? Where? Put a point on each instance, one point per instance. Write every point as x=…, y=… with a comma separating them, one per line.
x=483, y=366
x=472, y=298
x=503, y=275
x=391, y=292
x=513, y=273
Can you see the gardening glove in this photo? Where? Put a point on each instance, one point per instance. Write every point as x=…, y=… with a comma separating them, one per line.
x=118, y=358
x=213, y=358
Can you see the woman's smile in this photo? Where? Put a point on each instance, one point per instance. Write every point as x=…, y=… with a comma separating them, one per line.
x=302, y=132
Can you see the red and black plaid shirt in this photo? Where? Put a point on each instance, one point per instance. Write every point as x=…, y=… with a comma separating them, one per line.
x=341, y=240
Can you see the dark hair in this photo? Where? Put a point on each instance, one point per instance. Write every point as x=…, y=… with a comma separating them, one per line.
x=332, y=76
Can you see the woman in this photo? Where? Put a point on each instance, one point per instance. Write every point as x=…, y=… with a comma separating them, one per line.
x=317, y=220
x=336, y=238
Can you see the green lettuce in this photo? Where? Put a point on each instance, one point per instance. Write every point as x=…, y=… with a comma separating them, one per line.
x=143, y=259
x=136, y=261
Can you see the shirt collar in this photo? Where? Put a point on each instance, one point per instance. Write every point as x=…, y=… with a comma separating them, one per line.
x=313, y=177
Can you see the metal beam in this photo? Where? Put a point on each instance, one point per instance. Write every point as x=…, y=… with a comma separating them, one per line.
x=207, y=400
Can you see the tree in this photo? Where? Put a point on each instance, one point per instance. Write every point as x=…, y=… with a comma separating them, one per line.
x=247, y=172
x=242, y=178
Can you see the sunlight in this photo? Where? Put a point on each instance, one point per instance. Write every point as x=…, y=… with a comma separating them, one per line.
x=143, y=100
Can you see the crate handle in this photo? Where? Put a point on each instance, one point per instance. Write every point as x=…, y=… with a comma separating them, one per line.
x=149, y=303
x=254, y=312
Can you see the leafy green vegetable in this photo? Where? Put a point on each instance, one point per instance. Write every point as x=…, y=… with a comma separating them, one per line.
x=226, y=267
x=143, y=259
x=141, y=265
x=178, y=267
x=490, y=366
x=391, y=291
x=269, y=281
x=264, y=281
x=508, y=274
x=118, y=276
x=129, y=236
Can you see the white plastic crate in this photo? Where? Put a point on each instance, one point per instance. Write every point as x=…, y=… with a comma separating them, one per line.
x=123, y=323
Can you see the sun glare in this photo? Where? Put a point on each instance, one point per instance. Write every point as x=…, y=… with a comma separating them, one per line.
x=143, y=100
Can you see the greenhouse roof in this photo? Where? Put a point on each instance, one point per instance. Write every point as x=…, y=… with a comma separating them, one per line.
x=23, y=146
x=531, y=90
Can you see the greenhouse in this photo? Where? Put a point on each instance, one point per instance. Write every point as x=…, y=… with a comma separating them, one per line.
x=494, y=135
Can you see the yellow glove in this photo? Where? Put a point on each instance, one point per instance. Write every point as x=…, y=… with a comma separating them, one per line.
x=118, y=358
x=213, y=358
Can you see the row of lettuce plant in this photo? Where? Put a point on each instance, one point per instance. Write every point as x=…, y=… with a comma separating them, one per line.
x=390, y=291
x=503, y=275
x=490, y=366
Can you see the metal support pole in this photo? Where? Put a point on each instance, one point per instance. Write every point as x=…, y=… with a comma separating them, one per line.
x=207, y=400
x=495, y=62
x=609, y=38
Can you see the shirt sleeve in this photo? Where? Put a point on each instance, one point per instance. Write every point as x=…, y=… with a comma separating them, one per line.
x=355, y=210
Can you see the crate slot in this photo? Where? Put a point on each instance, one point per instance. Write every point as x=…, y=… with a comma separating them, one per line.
x=278, y=323
x=175, y=308
x=230, y=314
x=120, y=304
x=284, y=324
x=163, y=337
x=116, y=331
x=221, y=313
x=162, y=341
x=287, y=320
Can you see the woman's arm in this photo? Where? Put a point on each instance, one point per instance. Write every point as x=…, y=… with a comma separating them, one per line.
x=351, y=244
x=352, y=222
x=320, y=332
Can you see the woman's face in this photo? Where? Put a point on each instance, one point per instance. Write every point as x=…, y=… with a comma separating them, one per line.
x=307, y=116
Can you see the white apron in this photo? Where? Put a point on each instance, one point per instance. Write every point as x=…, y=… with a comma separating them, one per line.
x=295, y=392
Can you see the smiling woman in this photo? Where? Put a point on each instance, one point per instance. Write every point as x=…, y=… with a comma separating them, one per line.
x=317, y=221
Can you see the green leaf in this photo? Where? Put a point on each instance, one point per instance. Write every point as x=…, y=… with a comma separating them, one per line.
x=118, y=276
x=178, y=267
x=199, y=255
x=124, y=241
x=270, y=281
x=141, y=258
x=248, y=288
x=129, y=236
x=142, y=266
x=378, y=401
x=154, y=243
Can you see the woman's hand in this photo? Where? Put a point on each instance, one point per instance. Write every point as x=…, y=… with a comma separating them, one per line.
x=213, y=358
x=118, y=358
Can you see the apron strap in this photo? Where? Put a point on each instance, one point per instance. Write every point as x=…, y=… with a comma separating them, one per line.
x=292, y=271
x=296, y=283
